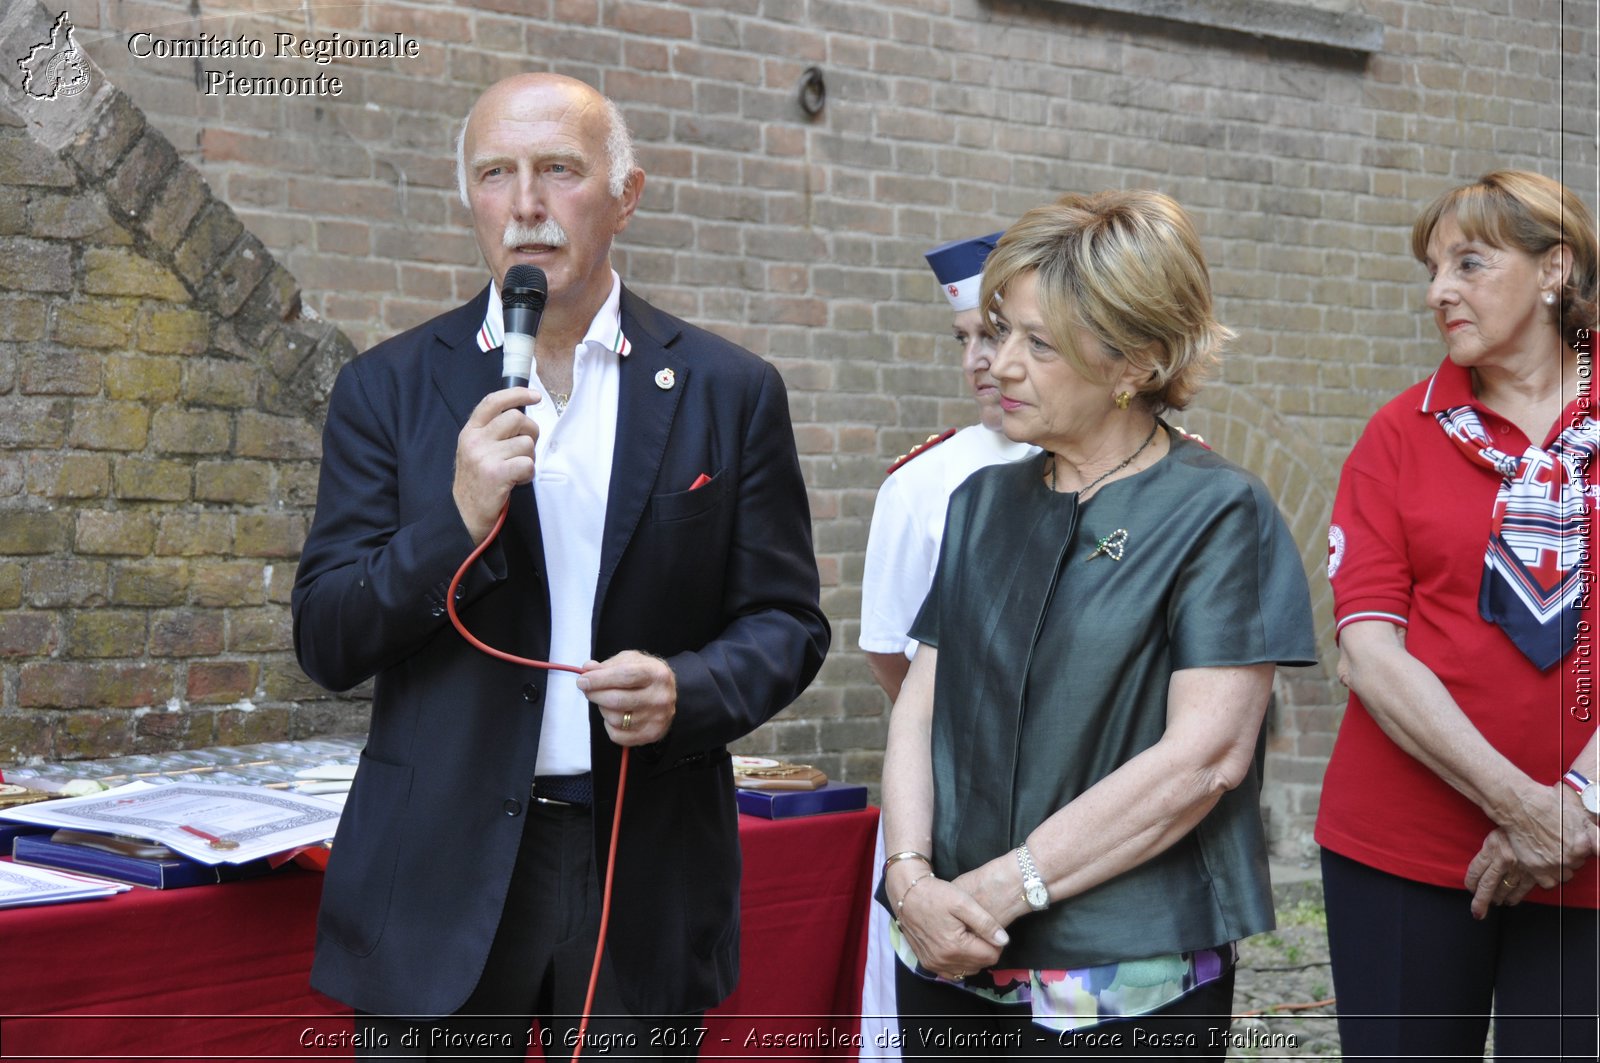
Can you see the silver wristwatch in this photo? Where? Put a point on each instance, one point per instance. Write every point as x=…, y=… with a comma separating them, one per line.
x=1033, y=890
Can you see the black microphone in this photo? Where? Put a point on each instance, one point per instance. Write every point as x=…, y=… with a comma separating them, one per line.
x=523, y=303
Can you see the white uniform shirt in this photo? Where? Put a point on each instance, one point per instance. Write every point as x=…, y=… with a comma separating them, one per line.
x=908, y=526
x=902, y=553
x=571, y=481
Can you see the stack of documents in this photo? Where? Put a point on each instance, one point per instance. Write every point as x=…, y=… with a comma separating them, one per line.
x=21, y=886
x=214, y=823
x=127, y=860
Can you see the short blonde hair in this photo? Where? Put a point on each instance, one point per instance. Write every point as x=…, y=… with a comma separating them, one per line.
x=1528, y=212
x=1127, y=266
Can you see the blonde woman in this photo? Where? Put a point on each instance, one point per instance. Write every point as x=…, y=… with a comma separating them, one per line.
x=1070, y=791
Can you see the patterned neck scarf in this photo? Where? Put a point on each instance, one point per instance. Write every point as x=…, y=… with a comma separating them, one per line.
x=1539, y=534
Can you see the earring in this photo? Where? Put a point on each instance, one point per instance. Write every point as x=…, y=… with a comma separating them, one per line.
x=1123, y=398
x=1549, y=298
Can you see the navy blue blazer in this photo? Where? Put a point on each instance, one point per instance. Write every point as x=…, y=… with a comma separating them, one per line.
x=721, y=581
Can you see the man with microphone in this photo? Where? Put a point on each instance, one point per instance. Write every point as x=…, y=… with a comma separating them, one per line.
x=657, y=535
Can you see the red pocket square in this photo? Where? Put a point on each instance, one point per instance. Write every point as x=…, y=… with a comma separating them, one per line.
x=699, y=482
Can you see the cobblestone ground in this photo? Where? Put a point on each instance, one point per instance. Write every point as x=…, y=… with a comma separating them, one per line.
x=1284, y=990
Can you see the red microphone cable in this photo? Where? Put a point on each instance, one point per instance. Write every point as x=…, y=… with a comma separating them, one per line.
x=622, y=774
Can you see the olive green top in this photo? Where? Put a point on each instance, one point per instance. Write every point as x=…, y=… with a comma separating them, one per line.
x=1053, y=672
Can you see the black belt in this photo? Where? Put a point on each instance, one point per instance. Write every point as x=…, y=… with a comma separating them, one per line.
x=575, y=790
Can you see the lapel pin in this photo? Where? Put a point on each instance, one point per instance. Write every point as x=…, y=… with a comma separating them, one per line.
x=665, y=379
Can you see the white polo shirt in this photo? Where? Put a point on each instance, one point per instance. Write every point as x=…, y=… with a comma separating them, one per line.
x=572, y=478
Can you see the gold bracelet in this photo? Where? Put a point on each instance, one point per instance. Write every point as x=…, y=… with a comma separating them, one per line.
x=909, y=854
x=914, y=883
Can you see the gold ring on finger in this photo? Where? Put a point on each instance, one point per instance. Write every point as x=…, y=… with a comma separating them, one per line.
x=627, y=721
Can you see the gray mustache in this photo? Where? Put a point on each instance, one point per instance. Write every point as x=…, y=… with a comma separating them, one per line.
x=548, y=232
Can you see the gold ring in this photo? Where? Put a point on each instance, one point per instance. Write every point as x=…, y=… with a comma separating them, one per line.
x=627, y=721
x=1507, y=883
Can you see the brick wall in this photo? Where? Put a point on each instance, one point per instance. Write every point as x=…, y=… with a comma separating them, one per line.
x=800, y=237
x=158, y=446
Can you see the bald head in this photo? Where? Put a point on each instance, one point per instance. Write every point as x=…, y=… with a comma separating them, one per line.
x=549, y=179
x=582, y=96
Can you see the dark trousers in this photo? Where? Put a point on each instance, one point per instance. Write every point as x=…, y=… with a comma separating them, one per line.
x=940, y=1021
x=539, y=968
x=1417, y=977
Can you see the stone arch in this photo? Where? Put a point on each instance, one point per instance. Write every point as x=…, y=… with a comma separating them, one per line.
x=162, y=389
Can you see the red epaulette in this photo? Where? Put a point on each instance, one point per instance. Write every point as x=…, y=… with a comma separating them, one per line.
x=921, y=448
x=1193, y=437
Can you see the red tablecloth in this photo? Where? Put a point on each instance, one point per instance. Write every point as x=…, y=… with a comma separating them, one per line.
x=220, y=972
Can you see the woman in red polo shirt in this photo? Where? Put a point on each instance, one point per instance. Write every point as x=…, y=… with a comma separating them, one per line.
x=1458, y=819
